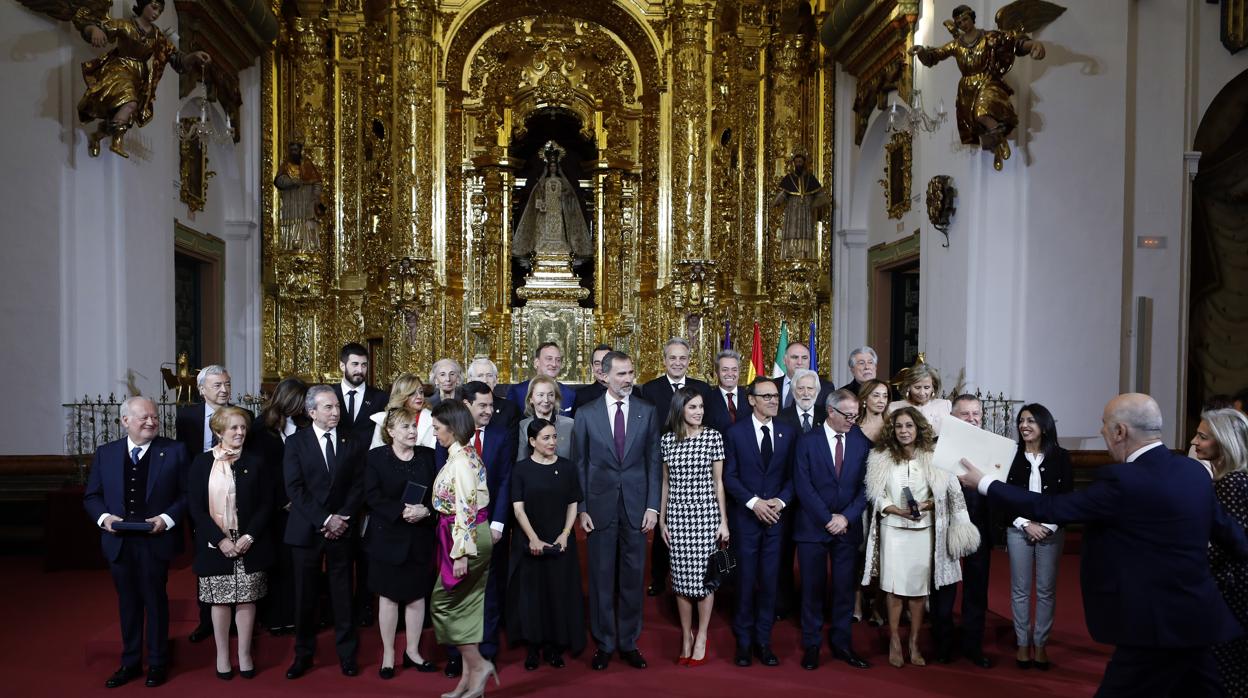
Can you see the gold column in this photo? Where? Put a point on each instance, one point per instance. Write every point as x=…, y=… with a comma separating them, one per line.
x=489, y=322
x=690, y=160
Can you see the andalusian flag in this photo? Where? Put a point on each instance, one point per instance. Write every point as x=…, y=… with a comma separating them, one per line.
x=756, y=358
x=777, y=368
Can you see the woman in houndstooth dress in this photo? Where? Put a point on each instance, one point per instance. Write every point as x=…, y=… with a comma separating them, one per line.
x=692, y=518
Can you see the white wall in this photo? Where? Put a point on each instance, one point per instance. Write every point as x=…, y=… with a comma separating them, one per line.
x=88, y=263
x=1035, y=296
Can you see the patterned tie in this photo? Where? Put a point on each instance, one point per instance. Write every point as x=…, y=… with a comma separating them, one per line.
x=805, y=422
x=840, y=453
x=330, y=456
x=476, y=443
x=765, y=448
x=134, y=454
x=619, y=430
x=732, y=407
x=351, y=405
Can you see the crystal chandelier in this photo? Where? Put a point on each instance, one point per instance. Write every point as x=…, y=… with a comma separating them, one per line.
x=201, y=119
x=912, y=117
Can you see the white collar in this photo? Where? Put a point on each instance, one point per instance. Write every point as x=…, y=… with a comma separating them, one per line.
x=1140, y=451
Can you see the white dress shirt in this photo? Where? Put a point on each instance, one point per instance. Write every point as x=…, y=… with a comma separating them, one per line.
x=809, y=413
x=208, y=410
x=359, y=398
x=130, y=446
x=1035, y=484
x=758, y=440
x=1140, y=451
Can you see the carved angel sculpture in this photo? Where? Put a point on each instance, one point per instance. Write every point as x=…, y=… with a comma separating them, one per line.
x=985, y=114
x=121, y=84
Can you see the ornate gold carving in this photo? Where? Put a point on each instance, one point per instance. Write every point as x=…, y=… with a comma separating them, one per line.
x=941, y=197
x=193, y=173
x=898, y=162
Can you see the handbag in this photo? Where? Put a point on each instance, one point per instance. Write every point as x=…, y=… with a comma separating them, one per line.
x=719, y=567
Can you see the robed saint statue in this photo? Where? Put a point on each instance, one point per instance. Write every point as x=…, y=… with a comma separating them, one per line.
x=552, y=222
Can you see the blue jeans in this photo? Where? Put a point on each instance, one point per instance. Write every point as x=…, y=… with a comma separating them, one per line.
x=1041, y=560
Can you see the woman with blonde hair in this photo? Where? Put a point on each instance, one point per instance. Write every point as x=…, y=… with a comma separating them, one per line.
x=542, y=401
x=411, y=394
x=920, y=388
x=1222, y=440
x=921, y=528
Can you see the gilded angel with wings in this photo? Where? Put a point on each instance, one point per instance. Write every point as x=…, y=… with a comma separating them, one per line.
x=121, y=84
x=985, y=115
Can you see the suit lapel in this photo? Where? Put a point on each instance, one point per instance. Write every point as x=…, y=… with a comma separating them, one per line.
x=604, y=424
x=636, y=420
x=155, y=462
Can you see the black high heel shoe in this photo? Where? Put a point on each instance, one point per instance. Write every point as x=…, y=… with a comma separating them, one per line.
x=226, y=675
x=425, y=667
x=247, y=673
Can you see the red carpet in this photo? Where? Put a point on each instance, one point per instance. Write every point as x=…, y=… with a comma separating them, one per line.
x=61, y=638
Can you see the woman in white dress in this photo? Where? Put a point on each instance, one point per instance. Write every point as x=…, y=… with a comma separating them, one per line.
x=411, y=393
x=921, y=528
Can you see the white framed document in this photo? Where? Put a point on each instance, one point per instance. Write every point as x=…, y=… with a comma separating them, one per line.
x=989, y=452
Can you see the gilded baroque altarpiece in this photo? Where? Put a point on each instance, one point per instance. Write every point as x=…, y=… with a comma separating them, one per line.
x=411, y=109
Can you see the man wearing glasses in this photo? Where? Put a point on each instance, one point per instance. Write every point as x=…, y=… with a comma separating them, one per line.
x=757, y=475
x=828, y=471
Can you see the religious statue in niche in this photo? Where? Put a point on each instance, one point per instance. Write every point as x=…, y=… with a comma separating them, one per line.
x=121, y=84
x=985, y=115
x=299, y=187
x=552, y=222
x=803, y=198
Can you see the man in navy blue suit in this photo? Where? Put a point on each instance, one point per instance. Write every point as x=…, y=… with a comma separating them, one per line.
x=139, y=479
x=758, y=453
x=547, y=361
x=828, y=479
x=496, y=445
x=727, y=400
x=1147, y=586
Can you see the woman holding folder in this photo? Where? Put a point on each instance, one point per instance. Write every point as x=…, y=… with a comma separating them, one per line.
x=398, y=480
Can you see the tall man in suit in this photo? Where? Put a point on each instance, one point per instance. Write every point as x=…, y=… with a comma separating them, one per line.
x=1147, y=586
x=324, y=473
x=213, y=383
x=796, y=356
x=616, y=441
x=495, y=443
x=758, y=455
x=728, y=399
x=593, y=391
x=863, y=362
x=975, y=567
x=357, y=402
x=829, y=470
x=659, y=392
x=547, y=361
x=506, y=412
x=141, y=478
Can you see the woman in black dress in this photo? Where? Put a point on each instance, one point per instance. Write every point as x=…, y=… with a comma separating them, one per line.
x=400, y=536
x=230, y=498
x=544, y=600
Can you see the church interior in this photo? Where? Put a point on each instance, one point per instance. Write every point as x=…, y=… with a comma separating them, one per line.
x=388, y=172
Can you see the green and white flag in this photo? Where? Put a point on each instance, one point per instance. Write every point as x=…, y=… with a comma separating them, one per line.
x=777, y=368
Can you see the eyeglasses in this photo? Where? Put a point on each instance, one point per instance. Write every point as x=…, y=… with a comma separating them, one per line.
x=768, y=396
x=849, y=416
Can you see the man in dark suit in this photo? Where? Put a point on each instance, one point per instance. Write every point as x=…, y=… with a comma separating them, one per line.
x=862, y=368
x=659, y=393
x=1147, y=586
x=547, y=361
x=357, y=402
x=974, y=570
x=616, y=441
x=495, y=443
x=213, y=383
x=805, y=413
x=506, y=412
x=758, y=455
x=141, y=478
x=727, y=400
x=796, y=356
x=323, y=469
x=829, y=469
x=588, y=393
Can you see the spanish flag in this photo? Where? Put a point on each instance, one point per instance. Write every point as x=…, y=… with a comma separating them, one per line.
x=756, y=358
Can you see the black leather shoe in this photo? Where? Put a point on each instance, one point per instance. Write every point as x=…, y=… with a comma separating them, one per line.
x=124, y=675
x=810, y=658
x=425, y=667
x=225, y=675
x=349, y=667
x=299, y=667
x=634, y=659
x=156, y=675
x=386, y=672
x=850, y=658
x=454, y=667
x=765, y=656
x=979, y=660
x=600, y=661
x=200, y=633
x=532, y=660
x=654, y=590
x=742, y=657
x=556, y=660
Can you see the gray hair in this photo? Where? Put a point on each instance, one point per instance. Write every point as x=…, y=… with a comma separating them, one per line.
x=836, y=397
x=805, y=373
x=863, y=350
x=129, y=402
x=213, y=370
x=480, y=361
x=1230, y=430
x=455, y=364
x=727, y=354
x=1140, y=415
x=309, y=402
x=676, y=340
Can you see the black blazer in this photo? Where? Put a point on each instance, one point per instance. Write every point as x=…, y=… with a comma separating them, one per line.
x=506, y=412
x=716, y=415
x=390, y=538
x=313, y=494
x=659, y=393
x=790, y=415
x=361, y=427
x=825, y=389
x=1056, y=474
x=587, y=394
x=254, y=496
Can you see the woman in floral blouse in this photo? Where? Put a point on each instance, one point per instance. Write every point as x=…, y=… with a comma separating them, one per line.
x=460, y=498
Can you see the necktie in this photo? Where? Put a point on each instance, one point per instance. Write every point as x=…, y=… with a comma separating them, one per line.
x=840, y=453
x=676, y=386
x=351, y=404
x=330, y=456
x=619, y=430
x=765, y=448
x=805, y=422
x=476, y=443
x=788, y=393
x=732, y=407
x=134, y=454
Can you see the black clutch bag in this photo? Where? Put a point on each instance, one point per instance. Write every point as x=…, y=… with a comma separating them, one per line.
x=414, y=493
x=719, y=567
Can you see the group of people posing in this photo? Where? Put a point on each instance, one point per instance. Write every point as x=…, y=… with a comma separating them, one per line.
x=443, y=499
